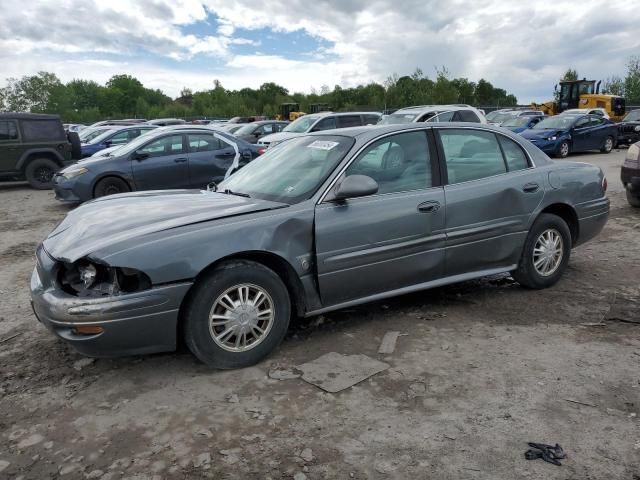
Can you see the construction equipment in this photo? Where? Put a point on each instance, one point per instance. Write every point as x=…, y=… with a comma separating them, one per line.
x=320, y=107
x=289, y=111
x=582, y=94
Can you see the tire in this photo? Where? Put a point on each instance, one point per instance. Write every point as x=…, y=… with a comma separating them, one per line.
x=76, y=148
x=563, y=150
x=634, y=200
x=207, y=299
x=39, y=173
x=608, y=145
x=527, y=274
x=110, y=186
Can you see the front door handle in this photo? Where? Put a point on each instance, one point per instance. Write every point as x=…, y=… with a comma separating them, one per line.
x=531, y=187
x=179, y=160
x=429, y=207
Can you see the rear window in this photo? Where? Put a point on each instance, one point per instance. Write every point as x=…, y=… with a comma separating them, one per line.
x=8, y=131
x=42, y=130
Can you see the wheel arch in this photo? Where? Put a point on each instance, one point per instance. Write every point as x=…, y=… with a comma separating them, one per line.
x=31, y=155
x=568, y=214
x=108, y=175
x=275, y=262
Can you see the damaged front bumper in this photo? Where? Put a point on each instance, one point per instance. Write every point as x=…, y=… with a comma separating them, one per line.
x=127, y=324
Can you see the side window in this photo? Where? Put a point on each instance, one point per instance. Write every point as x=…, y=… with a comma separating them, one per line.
x=466, y=116
x=370, y=119
x=398, y=163
x=35, y=130
x=583, y=122
x=164, y=146
x=203, y=142
x=280, y=126
x=345, y=121
x=267, y=128
x=120, y=138
x=8, y=131
x=513, y=154
x=596, y=121
x=471, y=155
x=325, y=124
x=442, y=117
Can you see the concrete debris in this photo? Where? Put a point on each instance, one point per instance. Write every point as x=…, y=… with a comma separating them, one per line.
x=284, y=374
x=334, y=372
x=307, y=455
x=83, y=362
x=3, y=465
x=30, y=441
x=94, y=474
x=231, y=456
x=202, y=460
x=299, y=476
x=233, y=398
x=388, y=344
x=67, y=469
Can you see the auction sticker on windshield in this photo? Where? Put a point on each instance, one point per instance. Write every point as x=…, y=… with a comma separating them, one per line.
x=323, y=145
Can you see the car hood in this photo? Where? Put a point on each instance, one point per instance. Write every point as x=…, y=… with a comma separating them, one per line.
x=105, y=221
x=278, y=137
x=543, y=133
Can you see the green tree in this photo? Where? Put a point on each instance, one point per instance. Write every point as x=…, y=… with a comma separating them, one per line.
x=613, y=85
x=632, y=81
x=571, y=74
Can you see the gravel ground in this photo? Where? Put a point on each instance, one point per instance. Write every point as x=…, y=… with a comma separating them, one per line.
x=484, y=367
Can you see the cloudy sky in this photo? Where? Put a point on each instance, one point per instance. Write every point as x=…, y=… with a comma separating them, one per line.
x=520, y=46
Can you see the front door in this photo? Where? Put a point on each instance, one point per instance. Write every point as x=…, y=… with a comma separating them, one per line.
x=491, y=193
x=581, y=135
x=389, y=240
x=10, y=150
x=164, y=164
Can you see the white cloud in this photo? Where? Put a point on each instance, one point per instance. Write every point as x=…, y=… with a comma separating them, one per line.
x=522, y=47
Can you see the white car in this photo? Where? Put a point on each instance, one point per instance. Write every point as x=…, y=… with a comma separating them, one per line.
x=587, y=111
x=316, y=122
x=434, y=113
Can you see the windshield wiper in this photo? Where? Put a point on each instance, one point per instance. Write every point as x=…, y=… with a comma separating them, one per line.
x=239, y=194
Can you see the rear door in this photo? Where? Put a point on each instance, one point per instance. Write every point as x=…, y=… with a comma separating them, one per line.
x=491, y=192
x=389, y=240
x=599, y=130
x=10, y=150
x=209, y=159
x=164, y=166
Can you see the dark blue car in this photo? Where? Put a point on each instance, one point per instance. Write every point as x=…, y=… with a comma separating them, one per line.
x=562, y=134
x=522, y=123
x=113, y=137
x=163, y=159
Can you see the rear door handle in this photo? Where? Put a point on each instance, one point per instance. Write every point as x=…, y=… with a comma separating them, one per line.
x=179, y=160
x=429, y=207
x=531, y=187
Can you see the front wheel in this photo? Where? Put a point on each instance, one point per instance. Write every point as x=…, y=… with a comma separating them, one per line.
x=110, y=186
x=634, y=200
x=608, y=145
x=546, y=253
x=237, y=315
x=563, y=149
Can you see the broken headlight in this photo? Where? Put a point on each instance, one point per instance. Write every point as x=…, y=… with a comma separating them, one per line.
x=90, y=279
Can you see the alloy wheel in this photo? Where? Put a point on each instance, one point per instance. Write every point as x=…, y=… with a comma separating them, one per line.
x=241, y=317
x=548, y=252
x=564, y=149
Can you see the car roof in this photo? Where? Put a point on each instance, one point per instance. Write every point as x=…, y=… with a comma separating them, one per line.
x=432, y=108
x=28, y=116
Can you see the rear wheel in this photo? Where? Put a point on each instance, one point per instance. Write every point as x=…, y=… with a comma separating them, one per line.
x=237, y=315
x=563, y=149
x=608, y=145
x=634, y=200
x=39, y=173
x=546, y=253
x=110, y=186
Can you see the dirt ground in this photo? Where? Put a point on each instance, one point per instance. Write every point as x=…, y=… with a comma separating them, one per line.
x=484, y=367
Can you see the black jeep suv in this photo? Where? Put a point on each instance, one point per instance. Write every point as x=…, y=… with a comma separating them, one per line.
x=35, y=147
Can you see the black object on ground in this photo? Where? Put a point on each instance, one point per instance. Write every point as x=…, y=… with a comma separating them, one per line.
x=548, y=453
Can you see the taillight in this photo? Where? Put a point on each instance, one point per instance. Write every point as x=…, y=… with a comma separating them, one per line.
x=261, y=150
x=605, y=184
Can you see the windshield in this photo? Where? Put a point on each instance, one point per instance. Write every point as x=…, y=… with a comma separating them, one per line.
x=499, y=117
x=91, y=133
x=632, y=116
x=398, y=118
x=516, y=121
x=559, y=122
x=301, y=125
x=292, y=171
x=246, y=129
x=102, y=136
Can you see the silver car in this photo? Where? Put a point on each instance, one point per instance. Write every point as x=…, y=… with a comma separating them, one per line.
x=320, y=222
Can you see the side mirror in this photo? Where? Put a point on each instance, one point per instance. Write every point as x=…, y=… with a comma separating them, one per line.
x=107, y=143
x=355, y=186
x=140, y=155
